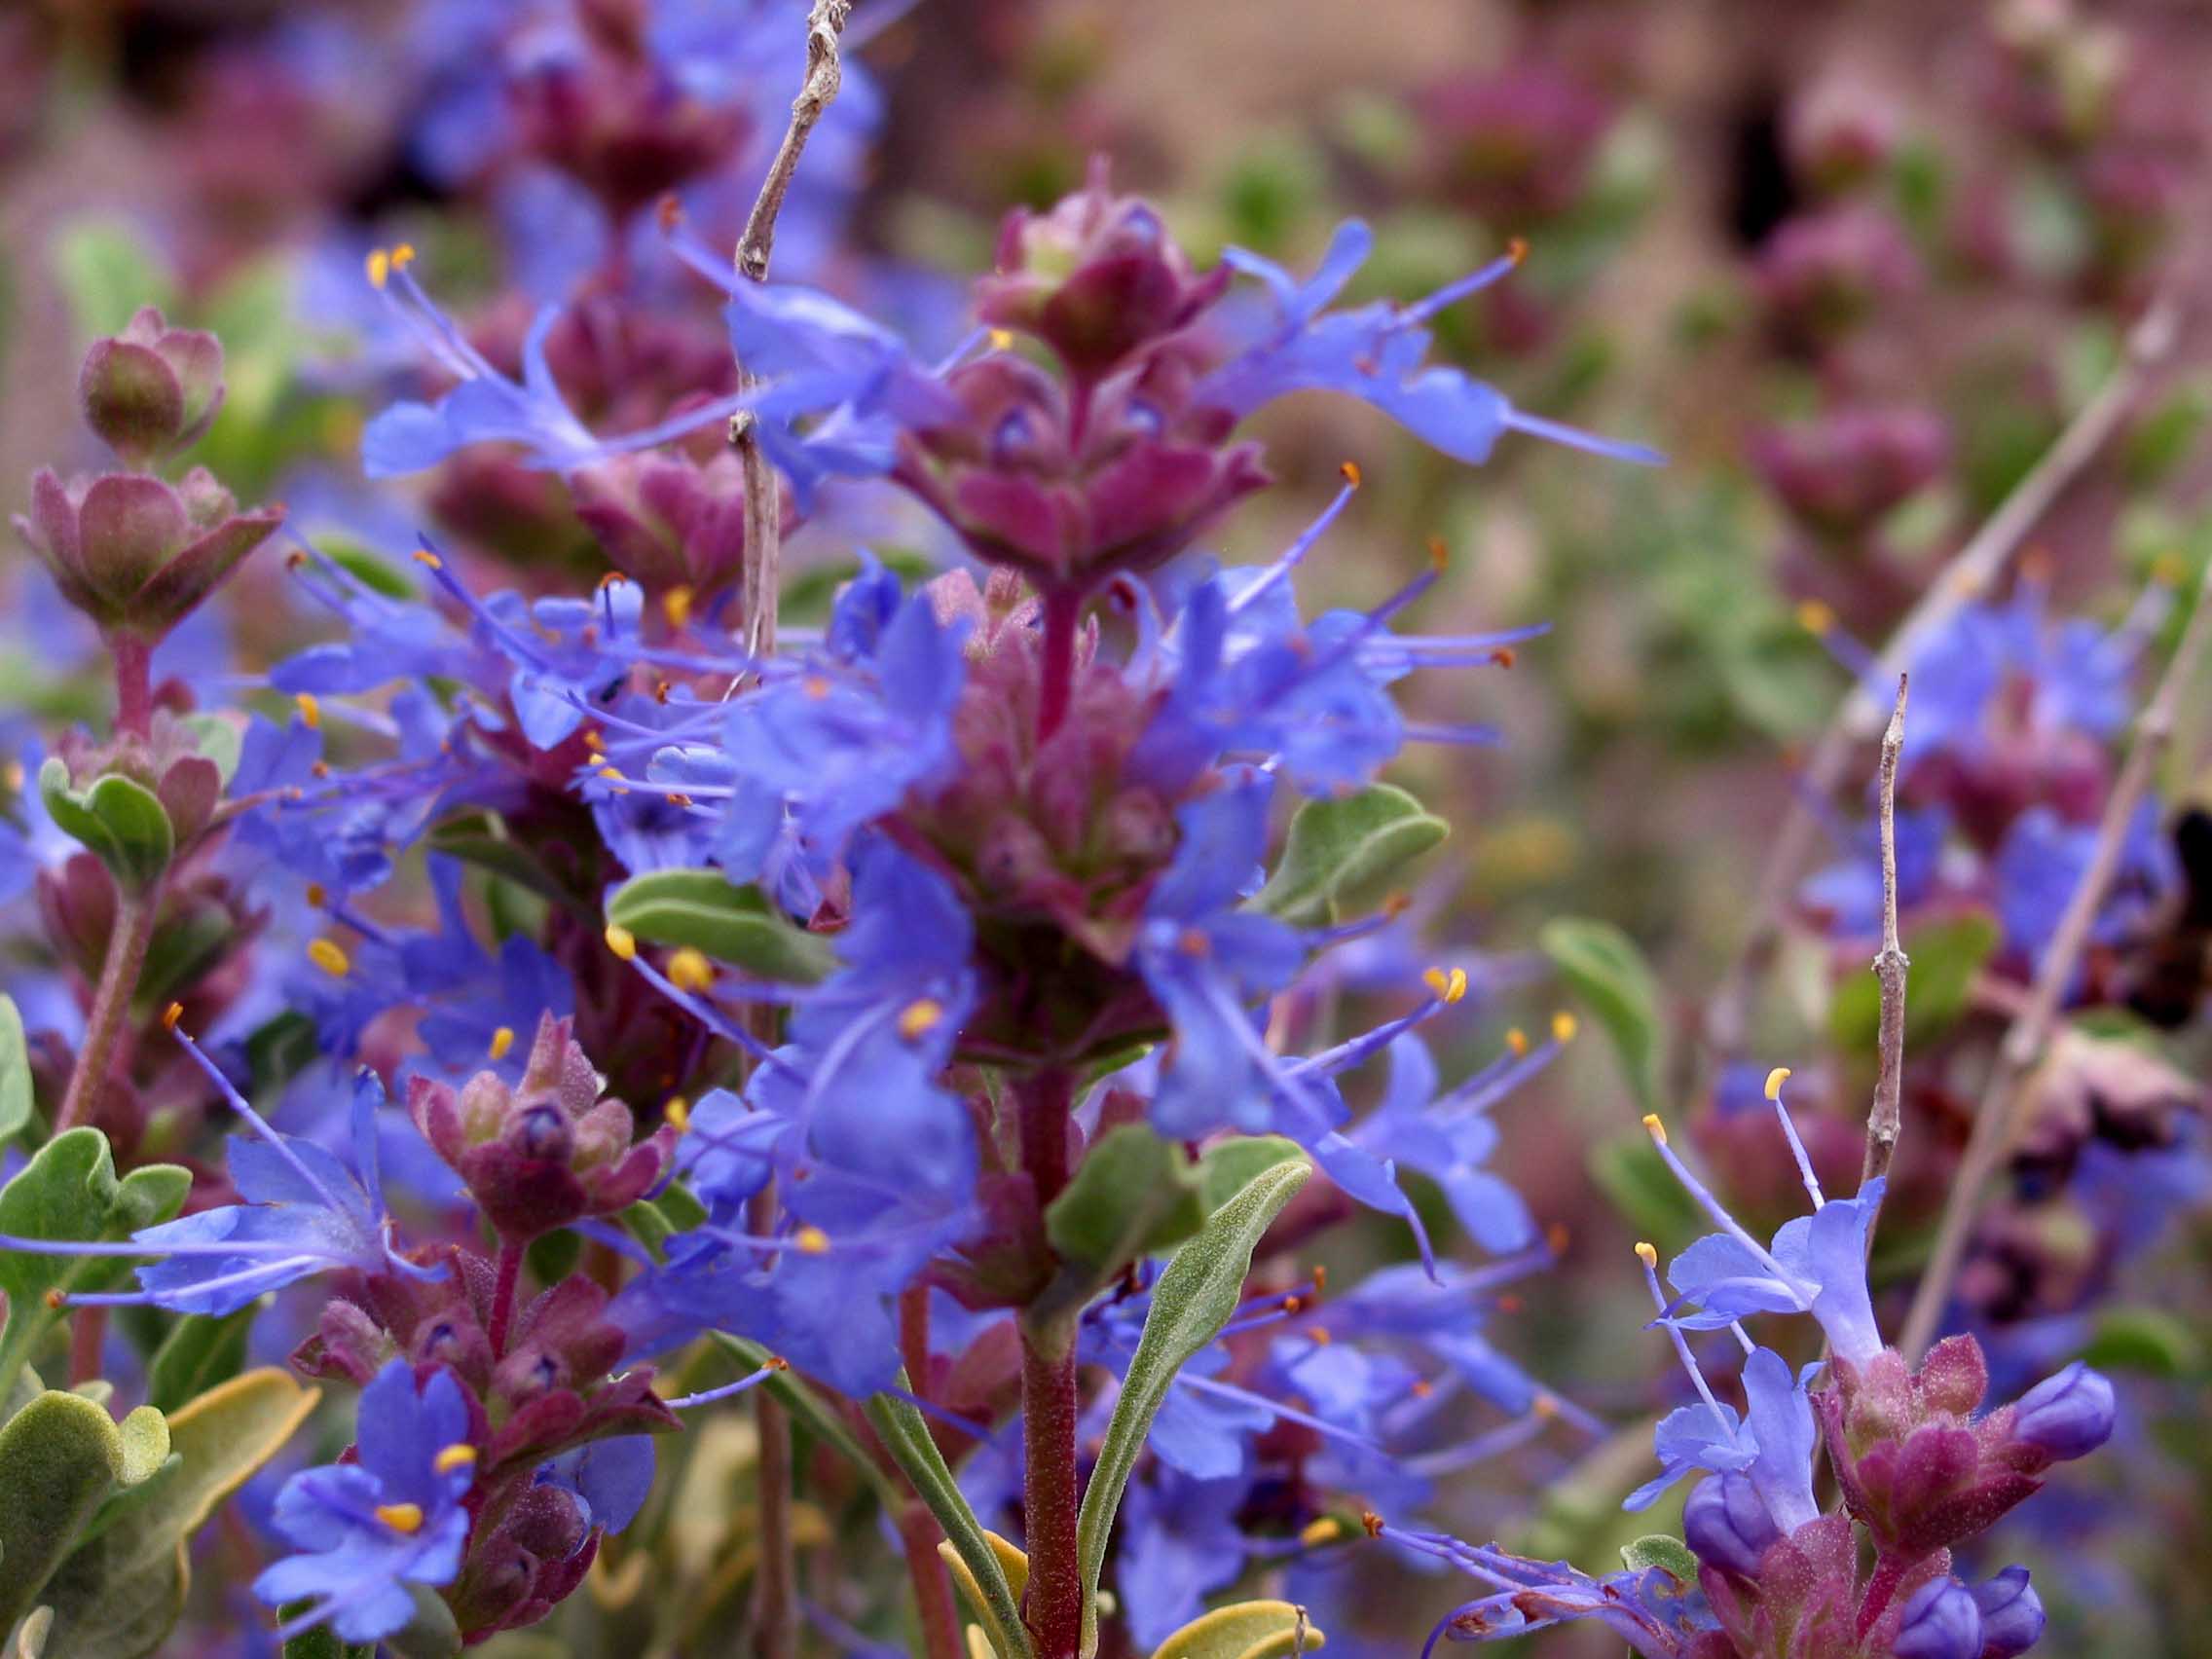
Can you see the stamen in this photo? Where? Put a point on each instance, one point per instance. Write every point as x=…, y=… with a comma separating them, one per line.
x=622, y=941
x=311, y=710
x=329, y=958
x=401, y=1517
x=676, y=606
x=1447, y=987
x=1517, y=1039
x=1657, y=1129
x=503, y=1039
x=1350, y=471
x=1326, y=1531
x=171, y=1014
x=1564, y=1027
x=811, y=1242
x=1774, y=1082
x=689, y=970
x=459, y=1455
x=677, y=1114
x=919, y=1018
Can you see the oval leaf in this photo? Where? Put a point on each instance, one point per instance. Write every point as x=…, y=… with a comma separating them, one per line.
x=15, y=1073
x=1195, y=1298
x=1341, y=852
x=117, y=820
x=1244, y=1630
x=697, y=908
x=59, y=1458
x=1608, y=971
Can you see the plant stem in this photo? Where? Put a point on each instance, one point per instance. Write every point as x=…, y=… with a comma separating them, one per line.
x=87, y=1344
x=2030, y=1030
x=1881, y=1587
x=503, y=1294
x=127, y=942
x=918, y=1534
x=825, y=74
x=775, y=1594
x=133, y=684
x=1052, y=1496
x=1885, y=1118
x=1063, y=608
x=1969, y=572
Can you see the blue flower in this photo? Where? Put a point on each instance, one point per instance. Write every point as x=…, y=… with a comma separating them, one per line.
x=304, y=1213
x=370, y=1528
x=1205, y=960
x=831, y=743
x=1377, y=352
x=2042, y=860
x=1178, y=1542
x=1449, y=1137
x=613, y=1476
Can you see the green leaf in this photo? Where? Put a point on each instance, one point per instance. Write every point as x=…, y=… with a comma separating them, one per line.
x=16, y=1109
x=1629, y=1170
x=320, y=1643
x=697, y=908
x=198, y=1353
x=1608, y=971
x=69, y=1192
x=1132, y=1194
x=481, y=838
x=1234, y=1164
x=117, y=819
x=1945, y=958
x=1243, y=1630
x=1341, y=852
x=1670, y=1554
x=1194, y=1299
x=59, y=1458
x=906, y=1437
x=109, y=270
x=432, y=1632
x=218, y=739
x=2145, y=1339
x=119, y=1596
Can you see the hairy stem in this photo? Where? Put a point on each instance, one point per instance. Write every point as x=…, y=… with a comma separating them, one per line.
x=1063, y=610
x=2030, y=1030
x=503, y=1295
x=1969, y=572
x=127, y=942
x=1885, y=1118
x=133, y=684
x=918, y=1535
x=775, y=1594
x=1051, y=1496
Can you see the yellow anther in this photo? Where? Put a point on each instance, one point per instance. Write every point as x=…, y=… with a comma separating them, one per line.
x=1350, y=472
x=380, y=267
x=1372, y=1523
x=1001, y=340
x=1557, y=1236
x=1545, y=1403
x=1446, y=988
x=171, y=1014
x=815, y=687
x=1326, y=1531
x=1815, y=617
x=459, y=1455
x=919, y=1018
x=1564, y=1027
x=503, y=1039
x=677, y=1114
x=401, y=1517
x=2169, y=570
x=622, y=941
x=311, y=710
x=1517, y=251
x=1439, y=555
x=403, y=256
x=1318, y=1336
x=613, y=774
x=775, y=1362
x=14, y=777
x=676, y=606
x=1193, y=941
x=1647, y=1254
x=57, y=1299
x=317, y=895
x=688, y=970
x=1517, y=1039
x=1775, y=1078
x=1658, y=1130
x=423, y=556
x=329, y=958
x=811, y=1242
x=593, y=740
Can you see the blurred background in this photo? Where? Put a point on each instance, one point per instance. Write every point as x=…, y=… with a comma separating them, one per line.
x=1855, y=269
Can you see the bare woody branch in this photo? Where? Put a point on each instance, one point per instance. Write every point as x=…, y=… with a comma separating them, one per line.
x=1884, y=1119
x=763, y=497
x=1969, y=572
x=2031, y=1029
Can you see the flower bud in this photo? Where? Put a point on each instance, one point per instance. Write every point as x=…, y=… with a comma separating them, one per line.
x=2011, y=1614
x=546, y=1152
x=1095, y=278
x=1841, y=473
x=1940, y=1622
x=666, y=522
x=2068, y=1415
x=1726, y=1522
x=137, y=555
x=152, y=390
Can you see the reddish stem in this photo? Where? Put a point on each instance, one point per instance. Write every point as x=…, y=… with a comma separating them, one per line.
x=1888, y=1573
x=132, y=931
x=915, y=1336
x=87, y=1344
x=503, y=1296
x=918, y=1534
x=1063, y=608
x=1052, y=1496
x=1052, y=1484
x=133, y=684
